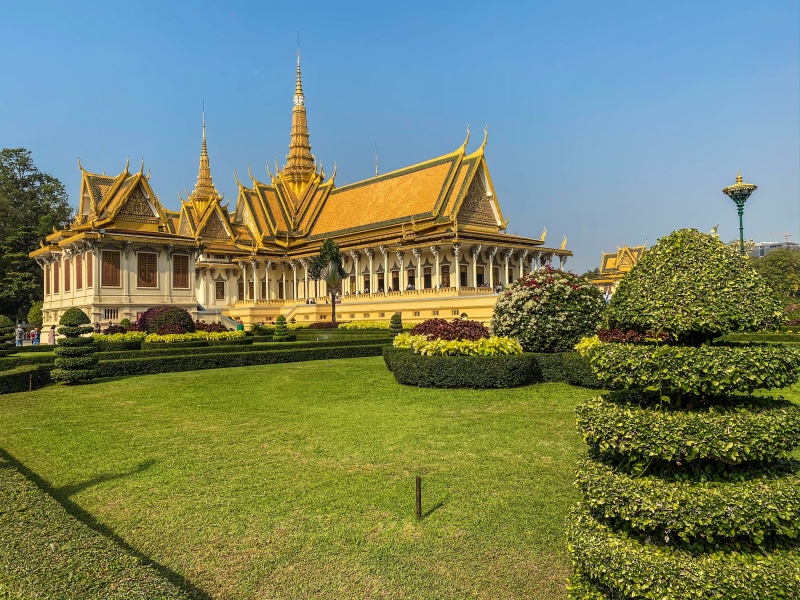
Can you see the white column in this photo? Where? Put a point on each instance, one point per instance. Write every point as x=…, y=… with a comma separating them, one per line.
x=562, y=261
x=492, y=253
x=356, y=255
x=293, y=264
x=283, y=281
x=126, y=274
x=256, y=281
x=304, y=262
x=418, y=269
x=507, y=265
x=522, y=255
x=387, y=277
x=457, y=265
x=402, y=284
x=438, y=280
x=369, y=253
x=475, y=251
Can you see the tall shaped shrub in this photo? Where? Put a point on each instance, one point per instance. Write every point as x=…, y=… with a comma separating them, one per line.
x=396, y=324
x=76, y=358
x=281, y=330
x=6, y=330
x=690, y=489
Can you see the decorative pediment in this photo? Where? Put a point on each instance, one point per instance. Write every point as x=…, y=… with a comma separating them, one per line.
x=214, y=228
x=477, y=207
x=137, y=207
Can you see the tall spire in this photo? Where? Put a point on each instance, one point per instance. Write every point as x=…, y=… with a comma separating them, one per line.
x=204, y=189
x=300, y=168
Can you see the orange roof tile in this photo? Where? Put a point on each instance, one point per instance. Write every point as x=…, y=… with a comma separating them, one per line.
x=399, y=195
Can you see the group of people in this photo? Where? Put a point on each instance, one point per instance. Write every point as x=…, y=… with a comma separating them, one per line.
x=34, y=335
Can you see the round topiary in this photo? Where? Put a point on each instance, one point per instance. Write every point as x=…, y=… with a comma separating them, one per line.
x=548, y=310
x=173, y=319
x=74, y=361
x=6, y=330
x=694, y=287
x=281, y=330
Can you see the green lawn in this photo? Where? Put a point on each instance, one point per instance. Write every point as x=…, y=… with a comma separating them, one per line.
x=297, y=480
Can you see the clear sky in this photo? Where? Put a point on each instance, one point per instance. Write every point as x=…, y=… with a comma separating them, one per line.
x=609, y=122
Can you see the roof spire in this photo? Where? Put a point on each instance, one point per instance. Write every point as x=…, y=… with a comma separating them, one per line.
x=300, y=167
x=204, y=188
x=376, y=159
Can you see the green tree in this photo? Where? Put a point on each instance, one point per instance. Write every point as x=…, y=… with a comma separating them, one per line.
x=592, y=273
x=35, y=314
x=281, y=331
x=32, y=203
x=76, y=356
x=781, y=270
x=327, y=267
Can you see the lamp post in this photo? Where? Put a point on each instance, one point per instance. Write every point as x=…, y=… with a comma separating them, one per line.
x=739, y=193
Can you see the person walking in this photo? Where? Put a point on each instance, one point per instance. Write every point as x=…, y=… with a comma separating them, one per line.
x=51, y=335
x=19, y=335
x=38, y=336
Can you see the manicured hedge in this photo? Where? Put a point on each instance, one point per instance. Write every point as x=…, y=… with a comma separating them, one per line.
x=675, y=369
x=749, y=503
x=117, y=346
x=339, y=334
x=461, y=371
x=48, y=348
x=47, y=552
x=169, y=349
x=618, y=561
x=789, y=338
x=217, y=360
x=748, y=429
x=22, y=379
x=567, y=367
x=12, y=362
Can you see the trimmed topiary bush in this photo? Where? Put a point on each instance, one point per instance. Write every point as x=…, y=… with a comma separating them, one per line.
x=690, y=486
x=548, y=310
x=168, y=319
x=6, y=330
x=396, y=324
x=281, y=330
x=76, y=359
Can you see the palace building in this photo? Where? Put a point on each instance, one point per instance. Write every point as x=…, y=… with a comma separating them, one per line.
x=614, y=265
x=427, y=240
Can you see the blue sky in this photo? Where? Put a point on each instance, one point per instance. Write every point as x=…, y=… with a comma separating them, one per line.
x=609, y=123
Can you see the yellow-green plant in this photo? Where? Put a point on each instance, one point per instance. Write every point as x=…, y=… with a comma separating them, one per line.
x=586, y=344
x=131, y=336
x=197, y=335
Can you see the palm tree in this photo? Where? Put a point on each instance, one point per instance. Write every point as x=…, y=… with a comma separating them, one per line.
x=328, y=268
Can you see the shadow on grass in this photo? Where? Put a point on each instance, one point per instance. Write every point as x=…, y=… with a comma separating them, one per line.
x=61, y=495
x=71, y=490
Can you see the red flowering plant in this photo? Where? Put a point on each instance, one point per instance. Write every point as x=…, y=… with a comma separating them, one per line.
x=457, y=329
x=548, y=310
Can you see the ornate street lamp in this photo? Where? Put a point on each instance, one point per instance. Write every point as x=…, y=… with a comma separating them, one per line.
x=739, y=193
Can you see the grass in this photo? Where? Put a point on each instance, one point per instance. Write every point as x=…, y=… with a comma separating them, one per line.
x=297, y=481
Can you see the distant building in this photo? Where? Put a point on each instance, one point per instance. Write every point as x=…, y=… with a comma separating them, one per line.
x=614, y=265
x=764, y=248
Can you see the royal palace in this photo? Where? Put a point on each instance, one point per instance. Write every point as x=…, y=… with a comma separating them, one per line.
x=427, y=240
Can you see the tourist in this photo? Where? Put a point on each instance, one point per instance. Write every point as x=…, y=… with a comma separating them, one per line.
x=32, y=335
x=96, y=327
x=51, y=335
x=37, y=338
x=19, y=335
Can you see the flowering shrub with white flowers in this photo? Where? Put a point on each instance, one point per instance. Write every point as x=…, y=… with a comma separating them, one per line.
x=548, y=310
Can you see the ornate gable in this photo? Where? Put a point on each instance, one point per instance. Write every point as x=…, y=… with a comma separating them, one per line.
x=477, y=207
x=214, y=228
x=137, y=207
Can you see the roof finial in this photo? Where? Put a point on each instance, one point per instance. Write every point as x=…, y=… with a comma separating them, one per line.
x=739, y=176
x=376, y=159
x=466, y=141
x=204, y=119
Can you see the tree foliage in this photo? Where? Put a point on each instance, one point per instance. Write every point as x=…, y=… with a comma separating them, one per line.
x=781, y=270
x=327, y=267
x=32, y=203
x=76, y=359
x=694, y=287
x=35, y=318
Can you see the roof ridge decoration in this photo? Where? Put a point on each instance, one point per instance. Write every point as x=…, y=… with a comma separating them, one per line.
x=204, y=193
